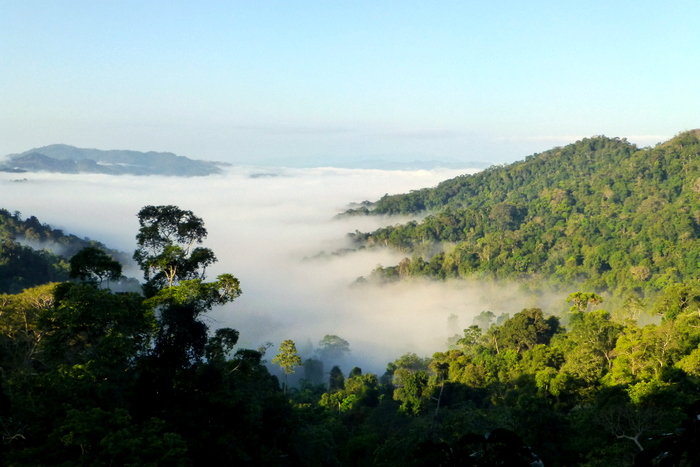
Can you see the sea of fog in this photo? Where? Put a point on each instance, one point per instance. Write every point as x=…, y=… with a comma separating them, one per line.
x=264, y=225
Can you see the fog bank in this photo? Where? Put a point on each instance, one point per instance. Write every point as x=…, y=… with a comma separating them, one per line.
x=262, y=223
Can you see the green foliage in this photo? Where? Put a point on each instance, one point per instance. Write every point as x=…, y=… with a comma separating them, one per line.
x=93, y=265
x=600, y=212
x=526, y=329
x=19, y=333
x=595, y=331
x=287, y=359
x=313, y=371
x=581, y=301
x=333, y=348
x=22, y=267
x=202, y=295
x=472, y=335
x=90, y=377
x=27, y=257
x=221, y=344
x=108, y=438
x=336, y=380
x=166, y=246
x=74, y=334
x=95, y=378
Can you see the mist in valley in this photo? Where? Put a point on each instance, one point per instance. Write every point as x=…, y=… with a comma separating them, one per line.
x=267, y=227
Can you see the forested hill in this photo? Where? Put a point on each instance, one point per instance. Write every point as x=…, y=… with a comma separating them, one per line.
x=94, y=377
x=600, y=211
x=32, y=253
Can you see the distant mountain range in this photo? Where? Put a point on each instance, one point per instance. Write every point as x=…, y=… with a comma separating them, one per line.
x=61, y=158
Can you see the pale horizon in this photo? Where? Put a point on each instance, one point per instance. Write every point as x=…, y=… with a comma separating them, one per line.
x=266, y=83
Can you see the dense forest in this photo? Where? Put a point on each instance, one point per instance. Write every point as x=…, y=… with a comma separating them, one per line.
x=32, y=253
x=94, y=377
x=600, y=214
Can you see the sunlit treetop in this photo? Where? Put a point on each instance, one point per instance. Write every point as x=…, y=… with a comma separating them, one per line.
x=166, y=249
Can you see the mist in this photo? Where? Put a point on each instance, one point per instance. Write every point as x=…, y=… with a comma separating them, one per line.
x=265, y=226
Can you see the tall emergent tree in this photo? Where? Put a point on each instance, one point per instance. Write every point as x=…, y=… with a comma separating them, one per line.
x=287, y=359
x=166, y=246
x=175, y=271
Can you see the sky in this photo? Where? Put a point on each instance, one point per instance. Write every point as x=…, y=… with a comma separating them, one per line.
x=281, y=82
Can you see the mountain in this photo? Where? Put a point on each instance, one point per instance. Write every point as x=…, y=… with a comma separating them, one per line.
x=62, y=158
x=601, y=213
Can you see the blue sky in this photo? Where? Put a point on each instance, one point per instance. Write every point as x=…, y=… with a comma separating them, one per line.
x=326, y=81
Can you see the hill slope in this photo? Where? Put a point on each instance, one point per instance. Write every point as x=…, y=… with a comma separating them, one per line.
x=32, y=253
x=600, y=211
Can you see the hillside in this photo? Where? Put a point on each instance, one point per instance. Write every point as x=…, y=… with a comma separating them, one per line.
x=94, y=377
x=62, y=158
x=32, y=253
x=601, y=212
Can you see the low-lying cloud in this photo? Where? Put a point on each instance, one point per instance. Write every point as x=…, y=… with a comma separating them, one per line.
x=262, y=228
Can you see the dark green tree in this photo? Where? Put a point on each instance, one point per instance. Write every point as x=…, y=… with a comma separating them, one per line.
x=313, y=371
x=336, y=381
x=175, y=273
x=180, y=297
x=93, y=265
x=526, y=329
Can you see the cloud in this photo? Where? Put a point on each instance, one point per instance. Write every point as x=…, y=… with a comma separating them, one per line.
x=261, y=229
x=427, y=134
x=287, y=129
x=553, y=139
x=647, y=140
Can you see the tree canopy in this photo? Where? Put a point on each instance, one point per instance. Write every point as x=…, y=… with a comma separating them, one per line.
x=92, y=377
x=601, y=214
x=94, y=266
x=167, y=251
x=287, y=358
